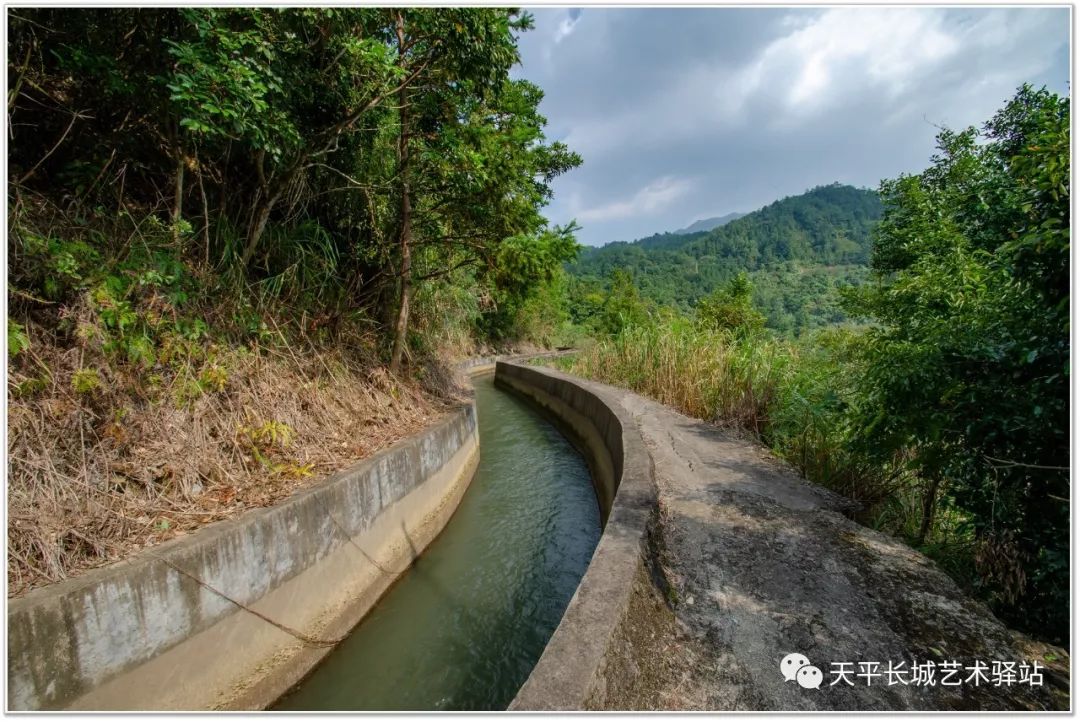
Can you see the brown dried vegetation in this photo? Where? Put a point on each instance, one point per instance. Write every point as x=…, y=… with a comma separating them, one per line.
x=135, y=417
x=139, y=458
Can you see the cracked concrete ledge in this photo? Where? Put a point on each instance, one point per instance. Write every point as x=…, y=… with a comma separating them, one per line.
x=143, y=635
x=588, y=660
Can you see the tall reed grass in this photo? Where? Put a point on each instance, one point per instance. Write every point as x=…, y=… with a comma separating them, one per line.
x=707, y=374
x=791, y=396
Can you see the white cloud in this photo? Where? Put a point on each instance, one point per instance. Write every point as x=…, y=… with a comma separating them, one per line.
x=565, y=28
x=753, y=104
x=651, y=199
x=853, y=48
x=822, y=65
x=842, y=53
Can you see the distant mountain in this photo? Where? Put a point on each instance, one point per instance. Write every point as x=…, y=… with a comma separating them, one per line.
x=707, y=224
x=797, y=250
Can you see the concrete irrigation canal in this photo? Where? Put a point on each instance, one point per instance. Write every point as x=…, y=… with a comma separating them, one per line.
x=474, y=566
x=465, y=625
x=431, y=576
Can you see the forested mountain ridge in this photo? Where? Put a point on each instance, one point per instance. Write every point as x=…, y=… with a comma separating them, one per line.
x=708, y=224
x=796, y=250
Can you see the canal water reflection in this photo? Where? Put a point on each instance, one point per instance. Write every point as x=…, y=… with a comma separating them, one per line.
x=464, y=627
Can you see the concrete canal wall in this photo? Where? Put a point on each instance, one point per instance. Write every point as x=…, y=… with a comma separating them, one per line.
x=587, y=663
x=165, y=630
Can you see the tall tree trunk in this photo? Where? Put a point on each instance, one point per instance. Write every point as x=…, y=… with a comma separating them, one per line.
x=178, y=198
x=401, y=326
x=269, y=194
x=205, y=211
x=258, y=225
x=929, y=504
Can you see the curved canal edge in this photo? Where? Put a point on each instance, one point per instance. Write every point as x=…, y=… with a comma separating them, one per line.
x=465, y=626
x=603, y=647
x=164, y=630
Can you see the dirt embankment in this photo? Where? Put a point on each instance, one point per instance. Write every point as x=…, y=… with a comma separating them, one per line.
x=758, y=564
x=103, y=464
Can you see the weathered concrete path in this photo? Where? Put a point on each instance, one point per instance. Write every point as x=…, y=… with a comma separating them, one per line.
x=762, y=564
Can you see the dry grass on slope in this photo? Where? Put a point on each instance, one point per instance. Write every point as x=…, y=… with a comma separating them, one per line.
x=103, y=462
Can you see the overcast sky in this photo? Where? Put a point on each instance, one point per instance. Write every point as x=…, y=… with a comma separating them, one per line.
x=683, y=114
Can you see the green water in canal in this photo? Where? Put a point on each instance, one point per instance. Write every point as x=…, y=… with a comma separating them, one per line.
x=463, y=628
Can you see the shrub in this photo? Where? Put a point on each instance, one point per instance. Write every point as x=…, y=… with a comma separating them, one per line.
x=85, y=381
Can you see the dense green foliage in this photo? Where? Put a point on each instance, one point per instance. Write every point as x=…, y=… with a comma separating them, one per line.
x=947, y=413
x=967, y=363
x=243, y=244
x=359, y=165
x=797, y=252
x=731, y=308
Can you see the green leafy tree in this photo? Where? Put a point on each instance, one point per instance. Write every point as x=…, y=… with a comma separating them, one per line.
x=731, y=308
x=967, y=364
x=330, y=156
x=622, y=307
x=472, y=165
x=525, y=270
